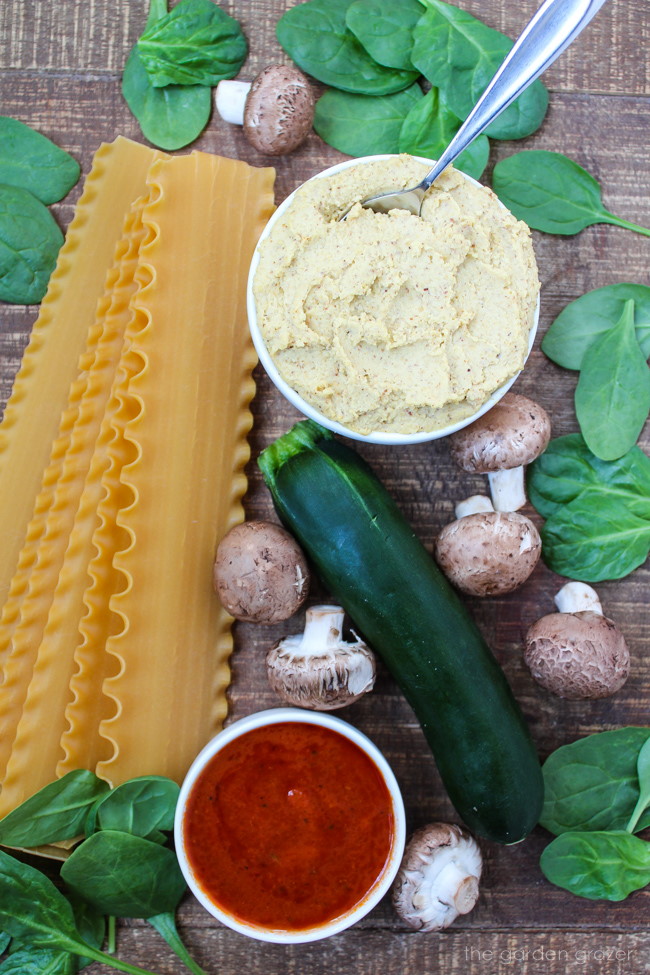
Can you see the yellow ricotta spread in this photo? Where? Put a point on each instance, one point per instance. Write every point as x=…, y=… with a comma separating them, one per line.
x=393, y=322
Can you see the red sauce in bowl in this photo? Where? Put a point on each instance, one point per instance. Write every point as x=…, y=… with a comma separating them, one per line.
x=288, y=826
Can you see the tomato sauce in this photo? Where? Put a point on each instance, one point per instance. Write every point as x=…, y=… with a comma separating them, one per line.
x=288, y=826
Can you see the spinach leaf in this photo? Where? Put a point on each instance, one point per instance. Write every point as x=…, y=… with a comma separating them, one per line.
x=4, y=941
x=55, y=812
x=584, y=319
x=567, y=468
x=91, y=923
x=592, y=783
x=460, y=55
x=30, y=241
x=40, y=961
x=599, y=866
x=362, y=125
x=196, y=43
x=31, y=161
x=315, y=36
x=429, y=128
x=124, y=875
x=142, y=806
x=595, y=537
x=552, y=193
x=165, y=925
x=612, y=397
x=169, y=117
x=385, y=29
x=643, y=775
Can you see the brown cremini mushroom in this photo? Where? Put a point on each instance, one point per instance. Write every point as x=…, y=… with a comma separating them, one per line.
x=317, y=669
x=438, y=878
x=500, y=444
x=487, y=552
x=577, y=653
x=260, y=573
x=276, y=109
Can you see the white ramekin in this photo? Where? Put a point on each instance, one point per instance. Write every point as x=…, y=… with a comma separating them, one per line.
x=310, y=411
x=380, y=887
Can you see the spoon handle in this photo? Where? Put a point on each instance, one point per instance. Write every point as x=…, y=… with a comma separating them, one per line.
x=555, y=25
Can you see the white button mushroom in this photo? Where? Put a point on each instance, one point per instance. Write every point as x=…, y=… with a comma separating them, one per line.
x=317, y=669
x=513, y=433
x=276, y=109
x=260, y=573
x=577, y=653
x=487, y=552
x=438, y=878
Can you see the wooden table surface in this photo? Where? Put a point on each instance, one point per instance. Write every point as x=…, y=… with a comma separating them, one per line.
x=60, y=68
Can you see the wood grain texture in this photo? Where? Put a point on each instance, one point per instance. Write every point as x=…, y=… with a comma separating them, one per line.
x=60, y=70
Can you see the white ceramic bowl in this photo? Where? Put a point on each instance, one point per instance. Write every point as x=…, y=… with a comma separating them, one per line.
x=380, y=887
x=297, y=400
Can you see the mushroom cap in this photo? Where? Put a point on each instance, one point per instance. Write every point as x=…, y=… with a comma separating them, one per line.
x=577, y=655
x=260, y=573
x=438, y=878
x=279, y=110
x=512, y=433
x=488, y=553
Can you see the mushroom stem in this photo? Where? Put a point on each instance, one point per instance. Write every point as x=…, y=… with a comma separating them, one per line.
x=575, y=597
x=507, y=489
x=323, y=628
x=473, y=505
x=455, y=886
x=229, y=100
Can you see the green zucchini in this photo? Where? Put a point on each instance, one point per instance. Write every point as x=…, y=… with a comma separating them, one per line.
x=374, y=565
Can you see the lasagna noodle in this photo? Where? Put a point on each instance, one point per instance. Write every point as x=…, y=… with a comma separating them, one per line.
x=190, y=401
x=39, y=666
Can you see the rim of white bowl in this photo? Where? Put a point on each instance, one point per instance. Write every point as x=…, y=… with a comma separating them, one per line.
x=263, y=719
x=301, y=404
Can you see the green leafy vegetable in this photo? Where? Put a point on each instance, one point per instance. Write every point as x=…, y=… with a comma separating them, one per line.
x=34, y=911
x=361, y=125
x=40, y=961
x=593, y=783
x=599, y=866
x=429, y=128
x=124, y=875
x=4, y=941
x=385, y=29
x=30, y=241
x=196, y=43
x=315, y=36
x=31, y=161
x=169, y=117
x=552, y=193
x=586, y=318
x=55, y=813
x=612, y=398
x=460, y=55
x=643, y=775
x=142, y=806
x=165, y=925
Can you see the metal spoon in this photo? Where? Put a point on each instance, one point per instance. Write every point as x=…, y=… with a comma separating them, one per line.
x=555, y=25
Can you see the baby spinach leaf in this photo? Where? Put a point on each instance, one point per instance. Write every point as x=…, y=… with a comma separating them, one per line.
x=4, y=941
x=429, y=128
x=315, y=36
x=30, y=241
x=91, y=923
x=552, y=193
x=612, y=397
x=169, y=117
x=599, y=866
x=196, y=43
x=460, y=55
x=125, y=875
x=584, y=319
x=31, y=161
x=567, y=468
x=40, y=961
x=142, y=806
x=643, y=774
x=55, y=812
x=362, y=125
x=165, y=925
x=592, y=783
x=595, y=537
x=385, y=29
